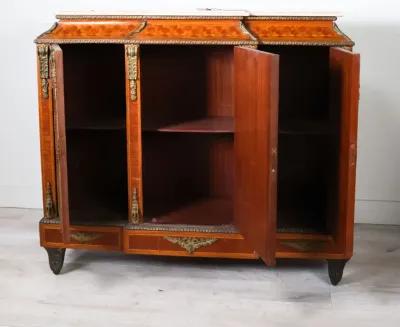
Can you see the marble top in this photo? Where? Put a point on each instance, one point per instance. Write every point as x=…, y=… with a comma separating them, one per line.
x=202, y=12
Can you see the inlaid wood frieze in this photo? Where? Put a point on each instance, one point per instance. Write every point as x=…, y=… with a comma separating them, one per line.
x=297, y=32
x=196, y=30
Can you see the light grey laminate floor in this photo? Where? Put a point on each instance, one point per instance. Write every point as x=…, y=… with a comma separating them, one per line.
x=103, y=289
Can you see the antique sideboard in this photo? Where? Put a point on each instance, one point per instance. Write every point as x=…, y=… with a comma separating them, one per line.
x=224, y=136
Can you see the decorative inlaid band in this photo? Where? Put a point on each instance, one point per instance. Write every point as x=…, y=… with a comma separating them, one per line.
x=191, y=244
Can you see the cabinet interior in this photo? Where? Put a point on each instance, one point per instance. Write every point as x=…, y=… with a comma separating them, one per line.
x=307, y=140
x=94, y=86
x=187, y=134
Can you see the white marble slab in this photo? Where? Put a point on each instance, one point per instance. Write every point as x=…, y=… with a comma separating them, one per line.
x=212, y=12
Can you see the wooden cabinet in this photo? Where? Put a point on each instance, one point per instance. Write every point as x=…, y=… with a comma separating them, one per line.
x=214, y=136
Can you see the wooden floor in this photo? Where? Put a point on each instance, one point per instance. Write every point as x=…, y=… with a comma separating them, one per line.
x=97, y=289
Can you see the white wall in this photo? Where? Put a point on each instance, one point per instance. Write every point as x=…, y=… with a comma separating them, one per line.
x=374, y=25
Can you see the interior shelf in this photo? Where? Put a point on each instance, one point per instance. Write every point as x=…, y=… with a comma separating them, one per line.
x=205, y=125
x=208, y=211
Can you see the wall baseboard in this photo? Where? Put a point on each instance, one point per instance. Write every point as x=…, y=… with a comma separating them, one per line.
x=377, y=212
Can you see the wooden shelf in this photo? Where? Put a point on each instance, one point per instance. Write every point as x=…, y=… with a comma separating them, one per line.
x=210, y=211
x=206, y=125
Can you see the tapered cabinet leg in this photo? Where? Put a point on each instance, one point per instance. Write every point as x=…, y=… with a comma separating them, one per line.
x=335, y=270
x=56, y=259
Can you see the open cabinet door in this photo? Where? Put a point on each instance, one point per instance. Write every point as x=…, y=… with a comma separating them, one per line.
x=345, y=79
x=57, y=74
x=256, y=94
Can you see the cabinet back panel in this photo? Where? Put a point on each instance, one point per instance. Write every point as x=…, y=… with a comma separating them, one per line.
x=96, y=135
x=183, y=83
x=188, y=171
x=94, y=84
x=308, y=136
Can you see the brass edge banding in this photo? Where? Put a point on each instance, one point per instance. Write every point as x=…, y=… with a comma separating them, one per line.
x=194, y=42
x=330, y=18
x=55, y=220
x=183, y=228
x=180, y=17
x=320, y=43
x=131, y=41
x=191, y=244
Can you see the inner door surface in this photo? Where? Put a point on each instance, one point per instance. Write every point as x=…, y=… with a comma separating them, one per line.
x=60, y=138
x=345, y=80
x=256, y=83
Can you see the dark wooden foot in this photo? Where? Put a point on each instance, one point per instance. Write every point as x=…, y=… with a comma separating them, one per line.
x=335, y=269
x=56, y=259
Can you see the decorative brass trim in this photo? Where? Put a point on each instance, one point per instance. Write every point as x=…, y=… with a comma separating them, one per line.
x=246, y=31
x=132, y=53
x=55, y=220
x=48, y=203
x=85, y=237
x=133, y=41
x=135, y=210
x=191, y=244
x=331, y=18
x=191, y=42
x=226, y=229
x=316, y=43
x=43, y=55
x=138, y=29
x=180, y=17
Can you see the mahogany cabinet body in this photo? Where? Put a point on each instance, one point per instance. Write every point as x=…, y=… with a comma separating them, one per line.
x=229, y=137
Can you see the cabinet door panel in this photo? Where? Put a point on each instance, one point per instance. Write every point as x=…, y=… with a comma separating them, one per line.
x=60, y=138
x=256, y=133
x=344, y=72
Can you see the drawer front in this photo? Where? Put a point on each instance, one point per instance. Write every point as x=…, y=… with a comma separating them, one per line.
x=85, y=237
x=194, y=245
